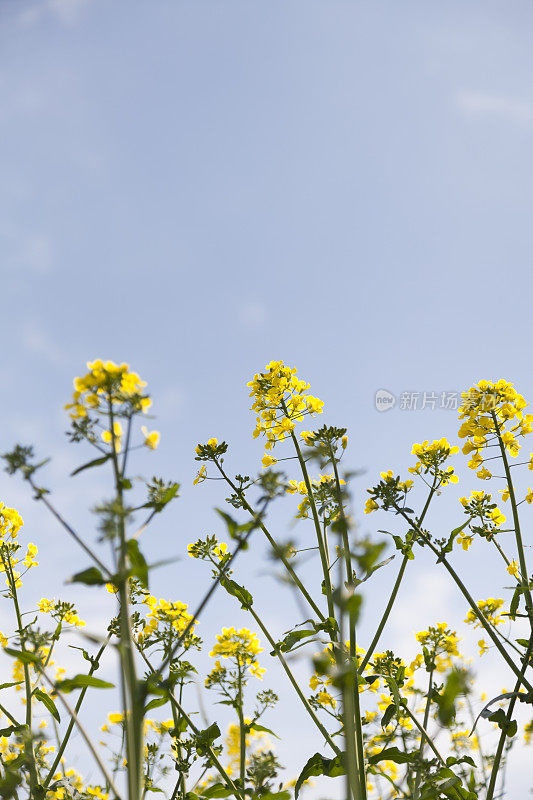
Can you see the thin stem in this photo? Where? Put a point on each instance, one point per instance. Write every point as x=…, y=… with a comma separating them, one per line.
x=28, y=742
x=471, y=602
x=275, y=546
x=94, y=666
x=294, y=683
x=211, y=755
x=508, y=718
x=399, y=578
x=516, y=519
x=133, y=713
x=416, y=792
x=72, y=713
x=373, y=644
x=70, y=530
x=242, y=732
x=314, y=512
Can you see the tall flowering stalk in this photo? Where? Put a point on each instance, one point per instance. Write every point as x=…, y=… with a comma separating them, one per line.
x=390, y=728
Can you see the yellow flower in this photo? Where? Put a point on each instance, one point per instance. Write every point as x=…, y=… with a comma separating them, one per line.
x=116, y=718
x=267, y=460
x=370, y=506
x=30, y=560
x=505, y=494
x=151, y=439
x=325, y=699
x=482, y=647
x=512, y=568
x=201, y=475
x=529, y=495
x=484, y=474
x=45, y=606
x=497, y=517
x=242, y=645
x=107, y=436
x=104, y=383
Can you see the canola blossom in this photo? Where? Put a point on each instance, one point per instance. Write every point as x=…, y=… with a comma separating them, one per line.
x=375, y=711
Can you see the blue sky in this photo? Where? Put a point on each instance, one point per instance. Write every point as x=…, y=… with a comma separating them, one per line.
x=199, y=187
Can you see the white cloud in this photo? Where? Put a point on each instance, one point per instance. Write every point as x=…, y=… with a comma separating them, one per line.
x=480, y=104
x=67, y=12
x=253, y=314
x=37, y=341
x=26, y=253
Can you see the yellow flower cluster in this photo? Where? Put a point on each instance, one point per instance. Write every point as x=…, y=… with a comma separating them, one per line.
x=389, y=485
x=163, y=611
x=489, y=608
x=10, y=523
x=487, y=409
x=107, y=382
x=64, y=612
x=280, y=400
x=442, y=643
x=241, y=645
x=431, y=455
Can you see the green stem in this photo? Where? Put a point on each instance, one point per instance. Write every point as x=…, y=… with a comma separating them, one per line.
x=518, y=535
x=294, y=683
x=314, y=512
x=133, y=713
x=211, y=755
x=275, y=546
x=508, y=718
x=28, y=741
x=392, y=598
x=370, y=652
x=354, y=706
x=416, y=792
x=471, y=602
x=72, y=713
x=242, y=732
x=94, y=666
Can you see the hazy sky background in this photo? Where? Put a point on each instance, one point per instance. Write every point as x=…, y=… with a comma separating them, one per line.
x=200, y=187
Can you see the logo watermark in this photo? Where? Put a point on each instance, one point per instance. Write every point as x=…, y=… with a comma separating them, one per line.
x=384, y=400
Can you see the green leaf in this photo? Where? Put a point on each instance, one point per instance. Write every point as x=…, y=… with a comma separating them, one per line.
x=9, y=685
x=9, y=730
x=90, y=577
x=254, y=726
x=508, y=726
x=205, y=738
x=374, y=568
x=82, y=682
x=388, y=715
x=455, y=685
x=448, y=547
x=216, y=790
x=235, y=530
x=393, y=754
x=292, y=638
x=48, y=702
x=242, y=594
x=95, y=463
x=139, y=567
x=9, y=783
x=23, y=656
x=283, y=795
x=487, y=714
x=515, y=602
x=156, y=703
x=318, y=765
